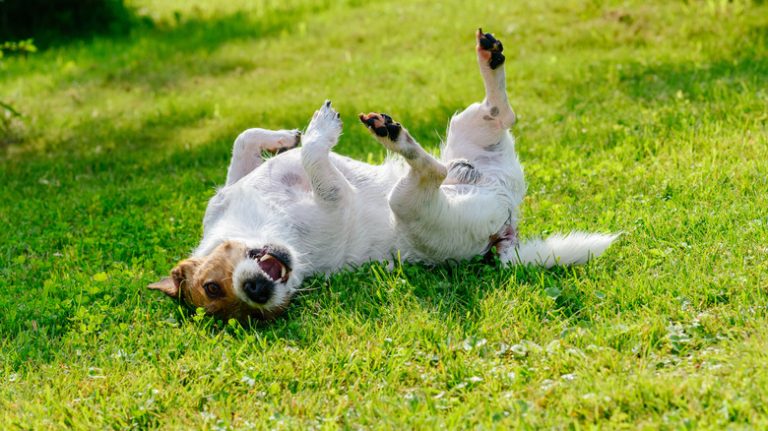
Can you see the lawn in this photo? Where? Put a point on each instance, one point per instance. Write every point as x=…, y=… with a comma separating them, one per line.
x=649, y=118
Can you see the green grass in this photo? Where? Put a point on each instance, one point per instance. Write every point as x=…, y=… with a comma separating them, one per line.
x=646, y=118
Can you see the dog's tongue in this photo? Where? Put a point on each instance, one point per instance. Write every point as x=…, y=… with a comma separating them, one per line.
x=272, y=267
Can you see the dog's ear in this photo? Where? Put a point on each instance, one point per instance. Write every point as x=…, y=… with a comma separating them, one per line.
x=171, y=286
x=166, y=286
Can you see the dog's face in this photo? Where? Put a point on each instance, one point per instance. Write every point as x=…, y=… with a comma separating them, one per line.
x=235, y=281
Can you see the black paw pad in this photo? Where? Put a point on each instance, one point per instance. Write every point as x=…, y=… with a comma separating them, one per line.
x=490, y=43
x=382, y=125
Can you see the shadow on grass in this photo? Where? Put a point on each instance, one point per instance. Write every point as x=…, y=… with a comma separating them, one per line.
x=453, y=294
x=153, y=57
x=667, y=82
x=702, y=84
x=161, y=57
x=61, y=22
x=674, y=92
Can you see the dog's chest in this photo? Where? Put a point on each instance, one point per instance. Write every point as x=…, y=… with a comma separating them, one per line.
x=275, y=203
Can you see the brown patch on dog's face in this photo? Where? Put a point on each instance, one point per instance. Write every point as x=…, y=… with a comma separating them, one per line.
x=208, y=283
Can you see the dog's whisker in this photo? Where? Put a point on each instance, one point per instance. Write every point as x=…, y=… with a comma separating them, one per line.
x=306, y=289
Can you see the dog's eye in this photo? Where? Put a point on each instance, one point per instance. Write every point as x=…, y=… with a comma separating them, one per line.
x=212, y=289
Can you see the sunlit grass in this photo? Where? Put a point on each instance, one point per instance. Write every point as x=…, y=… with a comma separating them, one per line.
x=648, y=119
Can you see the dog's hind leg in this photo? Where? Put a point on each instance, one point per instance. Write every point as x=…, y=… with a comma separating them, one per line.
x=485, y=124
x=491, y=62
x=252, y=145
x=329, y=186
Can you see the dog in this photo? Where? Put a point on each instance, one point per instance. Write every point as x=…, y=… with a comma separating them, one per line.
x=310, y=211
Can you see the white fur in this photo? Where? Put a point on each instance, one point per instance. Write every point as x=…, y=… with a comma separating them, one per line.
x=575, y=248
x=333, y=212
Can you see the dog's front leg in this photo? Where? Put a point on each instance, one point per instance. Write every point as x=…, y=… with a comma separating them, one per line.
x=416, y=199
x=425, y=169
x=250, y=147
x=328, y=184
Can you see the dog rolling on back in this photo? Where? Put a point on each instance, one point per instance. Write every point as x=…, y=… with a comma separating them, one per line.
x=310, y=211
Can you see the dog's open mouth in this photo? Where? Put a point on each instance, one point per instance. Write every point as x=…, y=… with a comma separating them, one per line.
x=274, y=263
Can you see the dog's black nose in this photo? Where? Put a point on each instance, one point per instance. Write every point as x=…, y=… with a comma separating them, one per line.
x=259, y=289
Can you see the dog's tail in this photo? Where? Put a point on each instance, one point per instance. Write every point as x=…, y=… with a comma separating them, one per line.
x=575, y=248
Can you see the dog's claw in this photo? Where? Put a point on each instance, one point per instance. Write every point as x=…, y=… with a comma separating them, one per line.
x=298, y=138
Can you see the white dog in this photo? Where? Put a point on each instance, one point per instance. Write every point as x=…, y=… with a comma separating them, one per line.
x=308, y=211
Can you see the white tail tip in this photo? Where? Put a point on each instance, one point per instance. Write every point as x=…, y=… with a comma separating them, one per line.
x=575, y=248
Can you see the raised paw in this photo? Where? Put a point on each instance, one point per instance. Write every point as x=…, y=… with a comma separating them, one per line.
x=288, y=139
x=325, y=124
x=382, y=125
x=490, y=48
x=296, y=137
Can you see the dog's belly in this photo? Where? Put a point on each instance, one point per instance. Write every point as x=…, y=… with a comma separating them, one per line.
x=275, y=203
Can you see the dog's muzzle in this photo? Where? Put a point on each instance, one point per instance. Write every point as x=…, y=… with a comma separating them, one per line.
x=274, y=261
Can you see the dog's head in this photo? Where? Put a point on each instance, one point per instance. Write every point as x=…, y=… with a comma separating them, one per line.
x=235, y=281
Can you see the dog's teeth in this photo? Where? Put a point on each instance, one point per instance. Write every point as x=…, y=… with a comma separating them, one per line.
x=265, y=258
x=283, y=271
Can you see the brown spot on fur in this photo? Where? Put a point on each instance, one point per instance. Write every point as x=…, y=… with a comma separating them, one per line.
x=215, y=268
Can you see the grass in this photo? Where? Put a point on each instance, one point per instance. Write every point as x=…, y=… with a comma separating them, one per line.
x=642, y=117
